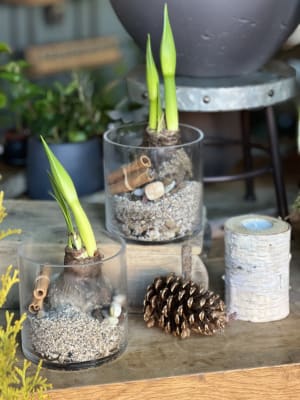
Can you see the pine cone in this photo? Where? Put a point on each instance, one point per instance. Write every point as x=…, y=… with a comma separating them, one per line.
x=180, y=307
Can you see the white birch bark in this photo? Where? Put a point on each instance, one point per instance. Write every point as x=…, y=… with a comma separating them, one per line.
x=257, y=257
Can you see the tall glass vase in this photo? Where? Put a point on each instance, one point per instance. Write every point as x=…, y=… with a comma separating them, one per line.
x=76, y=315
x=153, y=193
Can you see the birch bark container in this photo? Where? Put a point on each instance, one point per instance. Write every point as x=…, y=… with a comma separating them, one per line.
x=257, y=257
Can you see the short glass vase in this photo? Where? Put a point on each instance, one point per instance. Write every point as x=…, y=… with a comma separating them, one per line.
x=153, y=193
x=76, y=315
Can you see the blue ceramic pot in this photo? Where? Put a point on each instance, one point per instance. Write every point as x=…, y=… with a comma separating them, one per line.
x=82, y=160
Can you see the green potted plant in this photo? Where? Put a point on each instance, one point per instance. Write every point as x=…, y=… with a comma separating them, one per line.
x=153, y=170
x=18, y=98
x=71, y=115
x=74, y=296
x=70, y=118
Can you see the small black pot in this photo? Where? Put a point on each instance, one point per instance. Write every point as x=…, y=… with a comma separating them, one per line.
x=213, y=37
x=83, y=161
x=15, y=147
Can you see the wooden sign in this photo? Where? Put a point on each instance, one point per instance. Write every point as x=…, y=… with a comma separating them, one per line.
x=32, y=3
x=64, y=56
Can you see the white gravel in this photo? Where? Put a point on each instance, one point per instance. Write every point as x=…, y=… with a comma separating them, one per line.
x=69, y=336
x=176, y=215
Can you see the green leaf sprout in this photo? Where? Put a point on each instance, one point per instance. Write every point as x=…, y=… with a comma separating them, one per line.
x=168, y=67
x=153, y=87
x=67, y=198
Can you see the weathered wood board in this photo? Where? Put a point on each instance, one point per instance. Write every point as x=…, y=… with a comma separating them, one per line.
x=42, y=221
x=247, y=362
x=278, y=383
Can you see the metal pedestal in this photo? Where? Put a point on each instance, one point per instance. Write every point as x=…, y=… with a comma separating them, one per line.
x=272, y=85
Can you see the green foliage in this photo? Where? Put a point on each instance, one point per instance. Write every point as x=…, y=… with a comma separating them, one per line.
x=67, y=198
x=3, y=49
x=3, y=214
x=18, y=93
x=296, y=204
x=73, y=111
x=76, y=110
x=21, y=93
x=7, y=282
x=168, y=67
x=67, y=112
x=16, y=382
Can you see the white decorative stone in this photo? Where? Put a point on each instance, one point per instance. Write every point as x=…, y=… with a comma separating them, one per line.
x=115, y=309
x=170, y=187
x=154, y=190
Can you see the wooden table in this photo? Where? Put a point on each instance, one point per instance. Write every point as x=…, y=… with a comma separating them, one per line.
x=247, y=361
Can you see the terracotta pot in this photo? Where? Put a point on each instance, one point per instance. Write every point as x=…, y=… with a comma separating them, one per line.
x=213, y=37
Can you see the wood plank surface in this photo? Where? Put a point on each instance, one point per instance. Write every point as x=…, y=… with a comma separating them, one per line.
x=279, y=383
x=42, y=221
x=246, y=361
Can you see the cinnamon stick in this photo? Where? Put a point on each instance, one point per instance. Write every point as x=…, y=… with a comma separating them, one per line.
x=36, y=305
x=141, y=163
x=40, y=290
x=132, y=181
x=42, y=283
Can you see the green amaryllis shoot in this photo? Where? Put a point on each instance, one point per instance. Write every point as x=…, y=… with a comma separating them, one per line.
x=74, y=240
x=66, y=195
x=160, y=123
x=152, y=80
x=168, y=67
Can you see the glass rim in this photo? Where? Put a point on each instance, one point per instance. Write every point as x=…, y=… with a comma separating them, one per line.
x=113, y=236
x=140, y=124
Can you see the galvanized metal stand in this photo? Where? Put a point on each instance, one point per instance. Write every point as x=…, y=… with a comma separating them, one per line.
x=263, y=89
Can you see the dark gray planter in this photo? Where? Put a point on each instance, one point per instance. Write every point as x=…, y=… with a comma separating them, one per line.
x=82, y=160
x=214, y=37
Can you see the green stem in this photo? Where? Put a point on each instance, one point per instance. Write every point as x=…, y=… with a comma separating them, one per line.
x=84, y=228
x=152, y=80
x=171, y=109
x=152, y=114
x=160, y=123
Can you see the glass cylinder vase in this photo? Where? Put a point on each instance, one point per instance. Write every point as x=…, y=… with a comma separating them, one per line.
x=76, y=314
x=153, y=193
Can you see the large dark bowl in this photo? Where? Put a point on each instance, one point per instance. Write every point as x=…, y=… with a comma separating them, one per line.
x=214, y=37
